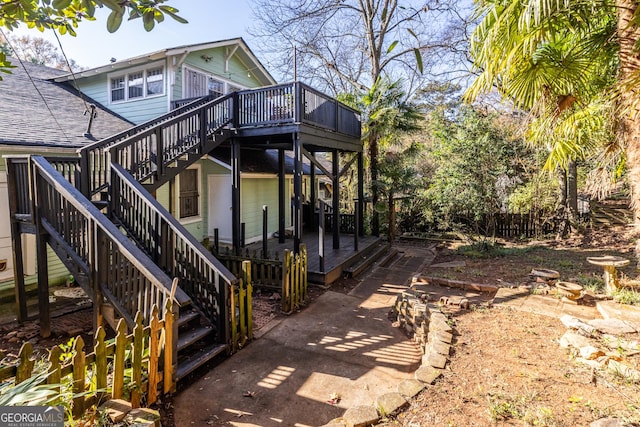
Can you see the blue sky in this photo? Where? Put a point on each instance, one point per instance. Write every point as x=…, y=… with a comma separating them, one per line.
x=209, y=20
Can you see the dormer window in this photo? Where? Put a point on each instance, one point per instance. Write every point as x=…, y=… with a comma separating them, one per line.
x=139, y=84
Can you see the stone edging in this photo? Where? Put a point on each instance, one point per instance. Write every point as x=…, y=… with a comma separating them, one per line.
x=429, y=328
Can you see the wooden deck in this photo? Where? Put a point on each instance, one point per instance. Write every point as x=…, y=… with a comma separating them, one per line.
x=336, y=260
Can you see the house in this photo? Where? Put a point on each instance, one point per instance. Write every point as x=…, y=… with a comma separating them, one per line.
x=40, y=116
x=209, y=146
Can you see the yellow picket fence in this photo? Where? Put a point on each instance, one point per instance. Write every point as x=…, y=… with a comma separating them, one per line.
x=241, y=309
x=128, y=367
x=294, y=280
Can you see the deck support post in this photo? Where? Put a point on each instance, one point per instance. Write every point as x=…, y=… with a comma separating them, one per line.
x=335, y=220
x=16, y=243
x=312, y=195
x=282, y=192
x=43, y=267
x=297, y=192
x=321, y=252
x=235, y=196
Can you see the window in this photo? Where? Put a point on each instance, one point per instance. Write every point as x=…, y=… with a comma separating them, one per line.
x=117, y=89
x=189, y=193
x=137, y=85
x=197, y=84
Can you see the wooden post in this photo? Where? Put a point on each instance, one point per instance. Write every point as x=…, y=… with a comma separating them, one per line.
x=154, y=352
x=282, y=192
x=335, y=163
x=321, y=236
x=16, y=241
x=265, y=230
x=246, y=276
x=235, y=196
x=297, y=192
x=43, y=269
x=118, y=360
x=136, y=362
x=360, y=208
x=356, y=227
x=100, y=351
x=233, y=321
x=286, y=282
x=79, y=370
x=170, y=363
x=312, y=194
x=242, y=234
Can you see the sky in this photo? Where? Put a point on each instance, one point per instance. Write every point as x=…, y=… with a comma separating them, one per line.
x=209, y=20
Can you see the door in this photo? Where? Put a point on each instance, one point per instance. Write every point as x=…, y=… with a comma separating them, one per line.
x=219, y=191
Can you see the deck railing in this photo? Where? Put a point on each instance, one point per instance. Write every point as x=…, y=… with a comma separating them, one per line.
x=95, y=160
x=99, y=247
x=204, y=279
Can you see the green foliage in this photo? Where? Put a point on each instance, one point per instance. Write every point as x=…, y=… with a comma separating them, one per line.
x=64, y=16
x=474, y=158
x=486, y=249
x=627, y=296
x=30, y=392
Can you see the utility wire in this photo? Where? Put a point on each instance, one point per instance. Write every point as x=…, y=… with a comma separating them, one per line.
x=73, y=75
x=34, y=85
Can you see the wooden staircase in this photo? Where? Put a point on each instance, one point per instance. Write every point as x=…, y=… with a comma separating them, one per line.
x=128, y=260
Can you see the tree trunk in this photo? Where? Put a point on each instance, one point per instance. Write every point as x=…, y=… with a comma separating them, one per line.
x=628, y=131
x=392, y=218
x=561, y=207
x=572, y=190
x=373, y=159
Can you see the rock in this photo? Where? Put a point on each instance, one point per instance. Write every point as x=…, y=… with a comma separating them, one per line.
x=571, y=339
x=143, y=417
x=575, y=323
x=630, y=348
x=336, y=422
x=116, y=409
x=438, y=316
x=439, y=347
x=360, y=416
x=390, y=403
x=435, y=360
x=612, y=326
x=439, y=325
x=626, y=371
x=446, y=337
x=427, y=374
x=410, y=387
x=590, y=352
x=607, y=422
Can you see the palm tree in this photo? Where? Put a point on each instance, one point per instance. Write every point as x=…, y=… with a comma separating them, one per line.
x=386, y=114
x=556, y=62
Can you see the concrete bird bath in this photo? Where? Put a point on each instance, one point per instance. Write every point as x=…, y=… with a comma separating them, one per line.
x=609, y=263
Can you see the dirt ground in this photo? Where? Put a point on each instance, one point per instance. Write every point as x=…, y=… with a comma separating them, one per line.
x=507, y=368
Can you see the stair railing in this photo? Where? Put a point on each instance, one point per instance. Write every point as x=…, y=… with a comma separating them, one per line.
x=117, y=267
x=204, y=279
x=94, y=159
x=147, y=154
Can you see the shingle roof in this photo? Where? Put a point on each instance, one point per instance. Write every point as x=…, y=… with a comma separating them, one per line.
x=26, y=120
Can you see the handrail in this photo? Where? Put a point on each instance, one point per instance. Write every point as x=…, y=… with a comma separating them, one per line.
x=122, y=257
x=152, y=150
x=96, y=163
x=170, y=245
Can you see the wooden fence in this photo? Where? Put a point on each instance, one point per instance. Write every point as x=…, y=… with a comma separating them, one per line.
x=137, y=366
x=289, y=275
x=241, y=309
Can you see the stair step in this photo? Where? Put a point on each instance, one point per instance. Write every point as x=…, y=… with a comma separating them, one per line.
x=193, y=362
x=187, y=317
x=389, y=258
x=188, y=338
x=361, y=265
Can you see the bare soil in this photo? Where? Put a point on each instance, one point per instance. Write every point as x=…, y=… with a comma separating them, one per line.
x=507, y=367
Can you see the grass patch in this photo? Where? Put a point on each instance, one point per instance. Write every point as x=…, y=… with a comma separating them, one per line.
x=492, y=250
x=520, y=407
x=627, y=296
x=591, y=283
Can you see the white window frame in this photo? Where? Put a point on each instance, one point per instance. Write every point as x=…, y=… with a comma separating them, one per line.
x=227, y=83
x=196, y=218
x=144, y=69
